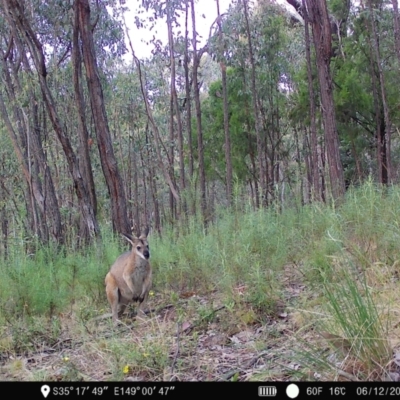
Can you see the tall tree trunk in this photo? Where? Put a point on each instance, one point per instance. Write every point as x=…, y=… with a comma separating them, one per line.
x=107, y=158
x=84, y=155
x=135, y=213
x=308, y=163
x=262, y=175
x=4, y=231
x=316, y=189
x=251, y=146
x=153, y=186
x=396, y=27
x=319, y=19
x=228, y=157
x=175, y=108
x=386, y=131
x=171, y=157
x=187, y=90
x=200, y=145
x=52, y=215
x=378, y=107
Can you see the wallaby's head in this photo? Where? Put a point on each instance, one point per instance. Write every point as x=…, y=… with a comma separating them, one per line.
x=140, y=245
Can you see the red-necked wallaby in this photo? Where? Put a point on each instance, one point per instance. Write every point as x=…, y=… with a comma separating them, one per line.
x=130, y=277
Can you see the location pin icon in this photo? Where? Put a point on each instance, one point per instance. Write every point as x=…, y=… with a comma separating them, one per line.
x=45, y=389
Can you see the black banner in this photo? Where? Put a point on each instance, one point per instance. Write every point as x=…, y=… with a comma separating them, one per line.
x=186, y=390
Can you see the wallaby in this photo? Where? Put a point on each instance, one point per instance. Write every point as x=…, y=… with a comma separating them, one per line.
x=130, y=277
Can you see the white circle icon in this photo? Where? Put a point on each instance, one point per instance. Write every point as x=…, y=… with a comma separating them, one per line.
x=292, y=391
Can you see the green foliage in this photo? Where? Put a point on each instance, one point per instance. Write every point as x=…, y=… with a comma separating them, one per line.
x=247, y=261
x=249, y=248
x=49, y=280
x=270, y=47
x=241, y=128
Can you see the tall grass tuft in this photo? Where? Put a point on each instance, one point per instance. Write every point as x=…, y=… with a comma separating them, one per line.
x=354, y=328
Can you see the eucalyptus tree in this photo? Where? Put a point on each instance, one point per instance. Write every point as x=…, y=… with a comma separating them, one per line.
x=384, y=138
x=268, y=31
x=315, y=169
x=322, y=31
x=260, y=153
x=228, y=156
x=188, y=102
x=396, y=22
x=322, y=37
x=83, y=132
x=171, y=10
x=108, y=160
x=197, y=54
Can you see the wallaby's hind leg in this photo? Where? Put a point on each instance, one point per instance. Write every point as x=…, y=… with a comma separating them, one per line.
x=123, y=302
x=112, y=295
x=143, y=307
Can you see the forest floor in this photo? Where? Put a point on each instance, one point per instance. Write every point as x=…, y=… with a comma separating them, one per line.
x=311, y=293
x=198, y=338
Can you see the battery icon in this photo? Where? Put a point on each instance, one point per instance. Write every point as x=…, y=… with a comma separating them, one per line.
x=267, y=391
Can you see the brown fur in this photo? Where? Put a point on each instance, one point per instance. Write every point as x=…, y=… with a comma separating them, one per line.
x=130, y=277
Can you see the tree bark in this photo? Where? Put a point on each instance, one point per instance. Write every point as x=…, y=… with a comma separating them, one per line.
x=396, y=27
x=174, y=104
x=107, y=158
x=316, y=189
x=262, y=175
x=187, y=90
x=381, y=146
x=319, y=19
x=200, y=145
x=84, y=155
x=153, y=185
x=176, y=108
x=228, y=157
x=387, y=126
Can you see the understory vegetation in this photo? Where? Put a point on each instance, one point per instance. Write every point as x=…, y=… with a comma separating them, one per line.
x=303, y=293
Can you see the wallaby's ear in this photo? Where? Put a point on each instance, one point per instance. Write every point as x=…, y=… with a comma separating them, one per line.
x=144, y=233
x=129, y=238
x=135, y=231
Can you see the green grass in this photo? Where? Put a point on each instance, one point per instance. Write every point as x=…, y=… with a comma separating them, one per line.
x=333, y=270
